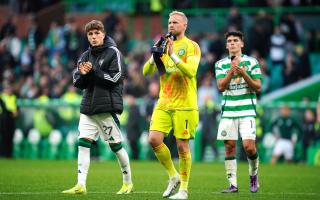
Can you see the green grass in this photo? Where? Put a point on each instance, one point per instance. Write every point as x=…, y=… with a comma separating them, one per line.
x=28, y=179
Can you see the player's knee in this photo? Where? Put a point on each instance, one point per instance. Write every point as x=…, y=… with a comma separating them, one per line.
x=230, y=150
x=250, y=150
x=154, y=141
x=182, y=148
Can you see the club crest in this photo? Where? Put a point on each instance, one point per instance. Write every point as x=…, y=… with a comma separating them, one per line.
x=100, y=62
x=224, y=133
x=181, y=52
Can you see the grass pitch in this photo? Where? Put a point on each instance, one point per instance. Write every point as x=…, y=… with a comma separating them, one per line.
x=34, y=179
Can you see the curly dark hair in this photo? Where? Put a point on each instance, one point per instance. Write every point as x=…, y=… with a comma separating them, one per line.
x=234, y=33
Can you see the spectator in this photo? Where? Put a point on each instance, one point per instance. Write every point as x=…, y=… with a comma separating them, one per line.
x=286, y=130
x=26, y=62
x=135, y=85
x=290, y=70
x=139, y=47
x=151, y=100
x=133, y=127
x=3, y=116
x=69, y=115
x=207, y=96
x=314, y=41
x=288, y=26
x=266, y=23
x=34, y=35
x=8, y=28
x=277, y=48
x=73, y=40
x=309, y=132
x=9, y=115
x=121, y=38
x=55, y=41
x=303, y=63
x=13, y=45
x=235, y=19
x=7, y=61
x=207, y=91
x=110, y=22
x=265, y=81
x=259, y=37
x=216, y=46
x=182, y=4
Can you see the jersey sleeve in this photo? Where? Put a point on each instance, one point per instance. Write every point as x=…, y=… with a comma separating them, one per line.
x=219, y=71
x=255, y=72
x=148, y=68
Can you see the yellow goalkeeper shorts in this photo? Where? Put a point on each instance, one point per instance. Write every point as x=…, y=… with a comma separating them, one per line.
x=183, y=122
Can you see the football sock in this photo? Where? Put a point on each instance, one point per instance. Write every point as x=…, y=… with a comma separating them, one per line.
x=83, y=160
x=123, y=160
x=164, y=156
x=253, y=164
x=184, y=168
x=231, y=170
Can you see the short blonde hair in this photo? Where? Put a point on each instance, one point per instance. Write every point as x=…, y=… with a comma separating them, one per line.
x=184, y=17
x=94, y=24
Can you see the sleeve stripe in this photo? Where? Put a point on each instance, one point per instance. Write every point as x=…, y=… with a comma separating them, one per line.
x=118, y=75
x=255, y=67
x=195, y=47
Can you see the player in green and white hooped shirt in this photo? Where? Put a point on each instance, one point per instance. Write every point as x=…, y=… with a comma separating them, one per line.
x=238, y=78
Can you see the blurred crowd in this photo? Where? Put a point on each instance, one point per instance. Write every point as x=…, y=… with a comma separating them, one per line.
x=42, y=62
x=40, y=65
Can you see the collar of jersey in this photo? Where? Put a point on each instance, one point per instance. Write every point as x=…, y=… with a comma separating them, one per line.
x=181, y=40
x=230, y=56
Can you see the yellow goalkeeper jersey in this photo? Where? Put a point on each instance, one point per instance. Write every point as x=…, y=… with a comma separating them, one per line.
x=178, y=86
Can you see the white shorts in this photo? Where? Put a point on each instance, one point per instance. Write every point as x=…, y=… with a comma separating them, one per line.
x=103, y=124
x=284, y=147
x=230, y=128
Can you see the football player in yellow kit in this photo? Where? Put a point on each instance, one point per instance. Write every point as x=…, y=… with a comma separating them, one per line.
x=177, y=105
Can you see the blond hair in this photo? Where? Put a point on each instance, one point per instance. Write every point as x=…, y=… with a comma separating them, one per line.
x=184, y=17
x=94, y=24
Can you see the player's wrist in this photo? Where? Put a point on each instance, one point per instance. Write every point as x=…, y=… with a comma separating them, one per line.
x=175, y=58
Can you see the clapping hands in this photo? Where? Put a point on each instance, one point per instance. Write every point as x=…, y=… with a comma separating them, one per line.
x=85, y=68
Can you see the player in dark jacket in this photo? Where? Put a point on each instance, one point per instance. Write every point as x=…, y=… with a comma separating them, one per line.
x=100, y=75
